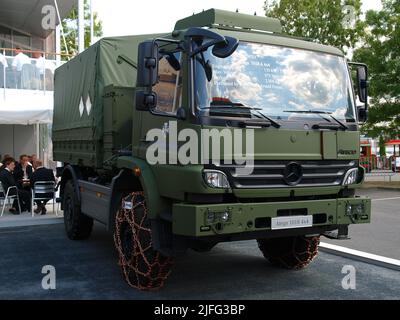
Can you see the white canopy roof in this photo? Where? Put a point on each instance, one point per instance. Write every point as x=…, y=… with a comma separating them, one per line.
x=26, y=107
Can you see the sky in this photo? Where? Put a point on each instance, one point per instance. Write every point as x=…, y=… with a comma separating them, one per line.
x=130, y=17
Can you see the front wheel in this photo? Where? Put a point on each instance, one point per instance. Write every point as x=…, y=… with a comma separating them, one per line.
x=143, y=267
x=290, y=252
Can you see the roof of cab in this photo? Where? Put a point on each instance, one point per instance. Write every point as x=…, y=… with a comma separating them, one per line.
x=250, y=28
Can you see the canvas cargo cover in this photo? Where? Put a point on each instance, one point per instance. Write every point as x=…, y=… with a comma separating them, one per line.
x=79, y=85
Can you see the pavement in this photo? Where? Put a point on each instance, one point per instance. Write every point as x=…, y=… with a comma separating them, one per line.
x=89, y=270
x=382, y=235
x=9, y=220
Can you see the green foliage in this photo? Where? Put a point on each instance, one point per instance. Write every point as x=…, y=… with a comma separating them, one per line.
x=70, y=27
x=324, y=21
x=381, y=52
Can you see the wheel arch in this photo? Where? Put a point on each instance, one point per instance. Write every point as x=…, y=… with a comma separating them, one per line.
x=126, y=180
x=122, y=184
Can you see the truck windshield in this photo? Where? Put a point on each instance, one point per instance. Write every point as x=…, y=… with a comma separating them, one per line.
x=280, y=81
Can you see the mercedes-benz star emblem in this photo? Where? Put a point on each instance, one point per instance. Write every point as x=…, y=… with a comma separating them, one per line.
x=293, y=173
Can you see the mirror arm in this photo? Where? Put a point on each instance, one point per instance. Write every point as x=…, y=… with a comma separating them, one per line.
x=203, y=48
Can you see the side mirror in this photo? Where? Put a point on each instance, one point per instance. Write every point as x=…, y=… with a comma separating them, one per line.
x=362, y=114
x=147, y=75
x=145, y=101
x=362, y=79
x=147, y=65
x=223, y=47
x=224, y=50
x=362, y=88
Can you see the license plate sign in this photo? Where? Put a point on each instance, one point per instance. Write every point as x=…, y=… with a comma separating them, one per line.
x=292, y=222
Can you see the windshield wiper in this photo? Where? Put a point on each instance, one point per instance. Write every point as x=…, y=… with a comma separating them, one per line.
x=273, y=122
x=322, y=126
x=238, y=105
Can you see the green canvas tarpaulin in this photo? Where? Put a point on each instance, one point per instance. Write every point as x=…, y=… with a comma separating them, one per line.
x=79, y=85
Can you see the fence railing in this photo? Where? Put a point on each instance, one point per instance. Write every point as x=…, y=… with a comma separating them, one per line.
x=379, y=164
x=25, y=73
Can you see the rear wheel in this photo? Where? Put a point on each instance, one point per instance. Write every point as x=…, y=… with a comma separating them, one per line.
x=77, y=225
x=290, y=252
x=143, y=267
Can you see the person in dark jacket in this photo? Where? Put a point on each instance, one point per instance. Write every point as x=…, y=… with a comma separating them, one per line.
x=8, y=180
x=42, y=174
x=23, y=173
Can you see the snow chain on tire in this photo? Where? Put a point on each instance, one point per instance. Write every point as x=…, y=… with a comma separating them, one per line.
x=291, y=252
x=142, y=266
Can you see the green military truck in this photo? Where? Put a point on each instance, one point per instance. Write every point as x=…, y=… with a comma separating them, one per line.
x=228, y=73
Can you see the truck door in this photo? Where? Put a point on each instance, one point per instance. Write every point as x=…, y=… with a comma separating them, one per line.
x=169, y=99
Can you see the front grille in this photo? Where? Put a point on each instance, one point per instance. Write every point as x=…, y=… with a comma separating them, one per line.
x=273, y=174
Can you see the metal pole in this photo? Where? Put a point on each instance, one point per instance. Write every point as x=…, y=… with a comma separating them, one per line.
x=81, y=27
x=61, y=27
x=44, y=75
x=91, y=23
x=4, y=76
x=38, y=140
x=58, y=44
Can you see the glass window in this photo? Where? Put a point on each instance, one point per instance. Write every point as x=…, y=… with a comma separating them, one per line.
x=5, y=38
x=277, y=80
x=169, y=87
x=37, y=44
x=21, y=40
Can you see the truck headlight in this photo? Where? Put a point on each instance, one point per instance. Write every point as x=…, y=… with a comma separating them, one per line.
x=351, y=177
x=216, y=179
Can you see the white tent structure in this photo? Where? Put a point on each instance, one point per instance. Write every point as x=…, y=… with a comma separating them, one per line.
x=25, y=109
x=21, y=114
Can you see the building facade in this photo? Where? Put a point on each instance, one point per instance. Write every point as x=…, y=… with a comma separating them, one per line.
x=29, y=55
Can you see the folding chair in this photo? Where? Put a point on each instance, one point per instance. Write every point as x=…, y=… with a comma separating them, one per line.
x=44, y=187
x=5, y=197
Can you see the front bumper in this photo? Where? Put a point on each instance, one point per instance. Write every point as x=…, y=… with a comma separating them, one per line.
x=191, y=219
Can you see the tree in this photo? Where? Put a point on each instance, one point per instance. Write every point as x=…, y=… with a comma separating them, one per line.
x=331, y=22
x=70, y=27
x=380, y=51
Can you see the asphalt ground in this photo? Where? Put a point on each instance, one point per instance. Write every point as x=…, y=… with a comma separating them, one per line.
x=382, y=235
x=88, y=270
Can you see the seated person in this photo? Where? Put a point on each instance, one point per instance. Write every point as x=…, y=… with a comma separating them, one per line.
x=42, y=174
x=32, y=159
x=7, y=179
x=23, y=173
x=5, y=157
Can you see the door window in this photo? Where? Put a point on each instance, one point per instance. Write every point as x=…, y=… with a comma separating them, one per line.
x=169, y=87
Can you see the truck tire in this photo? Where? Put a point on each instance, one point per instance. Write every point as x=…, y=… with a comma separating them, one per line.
x=290, y=252
x=143, y=267
x=77, y=225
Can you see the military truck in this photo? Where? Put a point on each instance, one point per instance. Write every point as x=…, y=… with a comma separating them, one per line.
x=224, y=72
